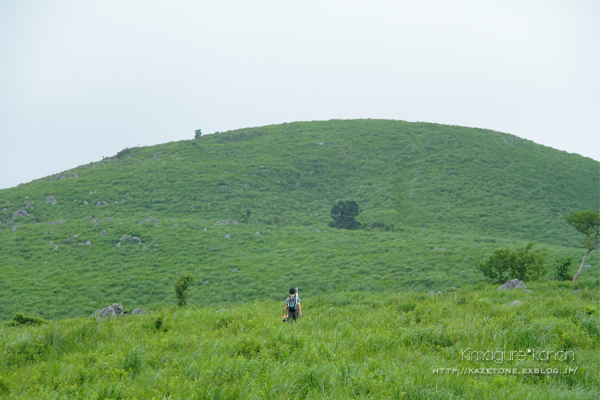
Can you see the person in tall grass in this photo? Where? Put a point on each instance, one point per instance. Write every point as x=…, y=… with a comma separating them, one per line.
x=293, y=309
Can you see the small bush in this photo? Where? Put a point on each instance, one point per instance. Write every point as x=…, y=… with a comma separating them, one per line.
x=562, y=269
x=181, y=288
x=21, y=319
x=506, y=264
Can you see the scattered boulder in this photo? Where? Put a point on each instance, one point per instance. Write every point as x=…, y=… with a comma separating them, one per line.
x=85, y=203
x=101, y=203
x=526, y=291
x=431, y=293
x=138, y=311
x=50, y=199
x=4, y=209
x=14, y=228
x=112, y=311
x=118, y=244
x=145, y=248
x=576, y=290
x=175, y=224
x=19, y=213
x=514, y=303
x=75, y=236
x=110, y=219
x=440, y=248
x=64, y=175
x=227, y=236
x=513, y=284
x=103, y=232
x=225, y=222
x=155, y=190
x=91, y=193
x=96, y=221
x=234, y=270
x=86, y=243
x=257, y=233
x=61, y=221
x=193, y=206
x=205, y=229
x=146, y=220
x=130, y=239
x=438, y=293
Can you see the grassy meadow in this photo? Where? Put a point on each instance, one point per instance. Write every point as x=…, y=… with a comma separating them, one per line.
x=347, y=345
x=247, y=212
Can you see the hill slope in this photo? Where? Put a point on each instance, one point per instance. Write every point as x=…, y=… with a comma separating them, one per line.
x=462, y=189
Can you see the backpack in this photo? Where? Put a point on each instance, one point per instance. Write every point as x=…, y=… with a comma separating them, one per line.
x=292, y=304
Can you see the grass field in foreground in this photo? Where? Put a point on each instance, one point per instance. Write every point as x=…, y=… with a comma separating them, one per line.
x=347, y=345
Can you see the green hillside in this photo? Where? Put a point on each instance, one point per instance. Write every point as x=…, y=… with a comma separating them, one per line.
x=421, y=187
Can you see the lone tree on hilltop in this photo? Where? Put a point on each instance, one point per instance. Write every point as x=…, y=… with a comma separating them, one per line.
x=588, y=223
x=181, y=288
x=198, y=133
x=343, y=214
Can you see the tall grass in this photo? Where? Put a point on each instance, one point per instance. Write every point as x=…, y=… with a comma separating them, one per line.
x=347, y=345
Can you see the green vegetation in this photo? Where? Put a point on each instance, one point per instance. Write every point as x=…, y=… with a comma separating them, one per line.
x=19, y=319
x=506, y=264
x=588, y=223
x=181, y=288
x=347, y=345
x=344, y=215
x=462, y=190
x=561, y=267
x=434, y=199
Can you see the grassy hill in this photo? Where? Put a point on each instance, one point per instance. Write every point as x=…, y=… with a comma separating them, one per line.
x=421, y=187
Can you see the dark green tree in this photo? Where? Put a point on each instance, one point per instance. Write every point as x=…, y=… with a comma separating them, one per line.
x=588, y=223
x=198, y=133
x=181, y=288
x=343, y=214
x=506, y=264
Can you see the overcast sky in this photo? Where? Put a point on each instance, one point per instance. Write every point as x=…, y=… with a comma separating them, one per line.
x=82, y=80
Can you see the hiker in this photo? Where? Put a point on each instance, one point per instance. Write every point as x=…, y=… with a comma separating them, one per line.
x=293, y=309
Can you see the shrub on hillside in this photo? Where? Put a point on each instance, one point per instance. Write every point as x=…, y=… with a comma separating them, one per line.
x=562, y=269
x=506, y=264
x=181, y=288
x=21, y=319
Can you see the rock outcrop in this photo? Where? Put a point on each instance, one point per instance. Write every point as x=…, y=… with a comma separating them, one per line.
x=513, y=284
x=19, y=213
x=112, y=311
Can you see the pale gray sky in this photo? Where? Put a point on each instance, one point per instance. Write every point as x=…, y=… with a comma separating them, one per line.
x=84, y=79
